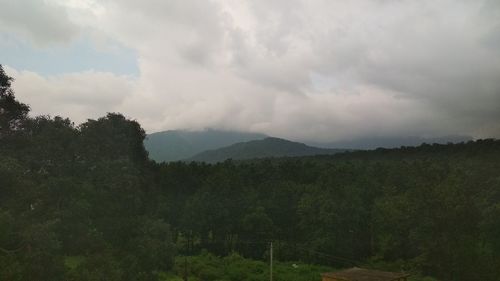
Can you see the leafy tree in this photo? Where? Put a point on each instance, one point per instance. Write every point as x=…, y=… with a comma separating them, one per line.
x=12, y=112
x=89, y=194
x=112, y=137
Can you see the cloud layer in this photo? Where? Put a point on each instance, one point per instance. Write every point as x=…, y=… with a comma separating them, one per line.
x=310, y=70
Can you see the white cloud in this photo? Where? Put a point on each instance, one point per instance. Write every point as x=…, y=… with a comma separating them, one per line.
x=76, y=95
x=40, y=21
x=300, y=69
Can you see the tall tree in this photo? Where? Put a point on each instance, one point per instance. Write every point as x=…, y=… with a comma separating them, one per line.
x=12, y=112
x=113, y=137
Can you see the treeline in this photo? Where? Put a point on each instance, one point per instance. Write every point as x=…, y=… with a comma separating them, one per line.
x=436, y=211
x=85, y=203
x=83, y=194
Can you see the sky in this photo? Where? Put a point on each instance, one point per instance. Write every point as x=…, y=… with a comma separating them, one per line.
x=316, y=70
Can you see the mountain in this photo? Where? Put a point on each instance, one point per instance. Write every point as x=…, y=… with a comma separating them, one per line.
x=268, y=147
x=175, y=145
x=388, y=142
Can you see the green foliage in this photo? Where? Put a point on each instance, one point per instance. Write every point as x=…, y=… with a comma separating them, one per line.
x=96, y=267
x=72, y=262
x=91, y=192
x=112, y=137
x=83, y=192
x=153, y=246
x=207, y=267
x=12, y=112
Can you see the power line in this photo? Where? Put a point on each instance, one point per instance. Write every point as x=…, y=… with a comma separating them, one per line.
x=332, y=257
x=337, y=258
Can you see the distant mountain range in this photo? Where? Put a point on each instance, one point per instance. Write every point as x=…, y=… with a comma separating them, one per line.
x=268, y=147
x=218, y=145
x=178, y=145
x=389, y=142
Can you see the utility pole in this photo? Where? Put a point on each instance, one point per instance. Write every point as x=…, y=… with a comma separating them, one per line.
x=185, y=277
x=271, y=262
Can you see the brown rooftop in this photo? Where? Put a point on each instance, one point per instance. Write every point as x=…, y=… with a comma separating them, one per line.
x=361, y=274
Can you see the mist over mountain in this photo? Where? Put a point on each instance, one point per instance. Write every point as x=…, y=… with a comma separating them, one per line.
x=175, y=145
x=268, y=147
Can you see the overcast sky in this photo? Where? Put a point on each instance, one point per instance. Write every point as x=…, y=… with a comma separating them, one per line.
x=318, y=70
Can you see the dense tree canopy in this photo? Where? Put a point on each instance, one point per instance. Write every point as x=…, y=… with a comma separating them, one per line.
x=85, y=203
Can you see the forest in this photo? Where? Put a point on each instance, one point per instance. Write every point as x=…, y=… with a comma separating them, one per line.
x=86, y=203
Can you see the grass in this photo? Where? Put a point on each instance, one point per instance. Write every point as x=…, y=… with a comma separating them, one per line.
x=73, y=262
x=207, y=267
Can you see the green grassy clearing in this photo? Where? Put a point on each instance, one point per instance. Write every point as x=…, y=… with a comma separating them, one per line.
x=207, y=267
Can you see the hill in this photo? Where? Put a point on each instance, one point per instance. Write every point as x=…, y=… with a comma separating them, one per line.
x=268, y=147
x=175, y=145
x=389, y=142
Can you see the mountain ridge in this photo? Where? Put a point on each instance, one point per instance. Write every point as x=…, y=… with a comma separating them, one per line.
x=369, y=143
x=184, y=145
x=176, y=145
x=265, y=148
